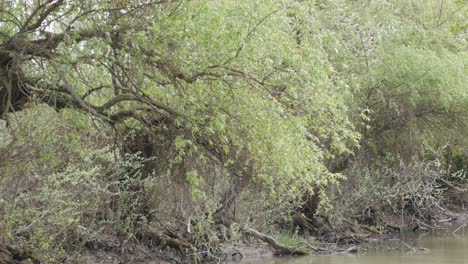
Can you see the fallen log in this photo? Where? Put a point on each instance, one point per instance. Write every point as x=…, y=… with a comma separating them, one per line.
x=279, y=248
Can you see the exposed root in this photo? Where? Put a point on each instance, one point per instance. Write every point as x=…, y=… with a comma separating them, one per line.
x=169, y=239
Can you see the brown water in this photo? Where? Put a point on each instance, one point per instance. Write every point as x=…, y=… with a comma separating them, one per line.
x=449, y=248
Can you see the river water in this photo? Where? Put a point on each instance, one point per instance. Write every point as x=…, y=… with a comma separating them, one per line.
x=426, y=248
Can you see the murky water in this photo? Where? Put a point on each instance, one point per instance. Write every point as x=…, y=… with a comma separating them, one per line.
x=427, y=248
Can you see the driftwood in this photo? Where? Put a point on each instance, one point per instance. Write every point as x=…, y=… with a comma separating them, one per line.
x=326, y=251
x=350, y=250
x=456, y=230
x=279, y=248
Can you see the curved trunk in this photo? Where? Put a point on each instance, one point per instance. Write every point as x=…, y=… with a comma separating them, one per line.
x=13, y=90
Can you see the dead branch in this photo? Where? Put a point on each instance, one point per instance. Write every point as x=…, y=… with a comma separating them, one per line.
x=279, y=248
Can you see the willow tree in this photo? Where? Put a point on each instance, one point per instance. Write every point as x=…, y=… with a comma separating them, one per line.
x=404, y=63
x=244, y=83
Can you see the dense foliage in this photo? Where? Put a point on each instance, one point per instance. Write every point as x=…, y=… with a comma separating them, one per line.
x=123, y=116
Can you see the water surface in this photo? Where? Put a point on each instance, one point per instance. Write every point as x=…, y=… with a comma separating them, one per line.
x=426, y=248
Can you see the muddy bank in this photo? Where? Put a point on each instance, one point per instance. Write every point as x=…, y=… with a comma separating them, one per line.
x=348, y=237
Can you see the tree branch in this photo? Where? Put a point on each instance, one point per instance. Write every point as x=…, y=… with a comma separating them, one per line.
x=42, y=17
x=75, y=96
x=33, y=13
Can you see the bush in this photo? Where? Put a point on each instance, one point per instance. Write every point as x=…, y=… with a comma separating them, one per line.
x=415, y=192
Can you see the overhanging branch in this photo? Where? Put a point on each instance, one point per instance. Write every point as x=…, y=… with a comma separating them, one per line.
x=76, y=97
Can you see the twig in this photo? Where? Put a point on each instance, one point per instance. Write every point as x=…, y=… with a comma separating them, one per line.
x=445, y=220
x=456, y=230
x=76, y=96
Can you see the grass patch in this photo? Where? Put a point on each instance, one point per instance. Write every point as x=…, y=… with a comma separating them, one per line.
x=292, y=240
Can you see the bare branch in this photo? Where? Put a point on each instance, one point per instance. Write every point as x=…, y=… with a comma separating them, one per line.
x=42, y=16
x=33, y=13
x=118, y=99
x=90, y=91
x=77, y=97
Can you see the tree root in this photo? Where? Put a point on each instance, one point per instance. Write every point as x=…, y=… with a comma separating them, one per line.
x=279, y=248
x=169, y=239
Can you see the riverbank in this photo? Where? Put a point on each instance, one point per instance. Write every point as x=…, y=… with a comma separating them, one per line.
x=412, y=249
x=361, y=237
x=345, y=238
